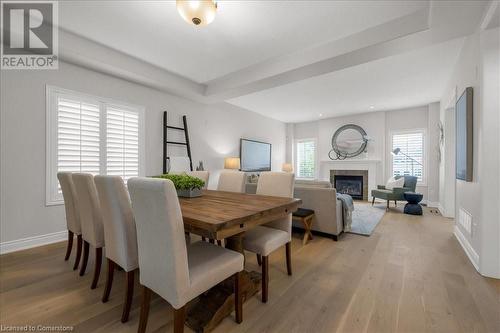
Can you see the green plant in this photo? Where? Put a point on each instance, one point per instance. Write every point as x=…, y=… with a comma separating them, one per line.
x=183, y=181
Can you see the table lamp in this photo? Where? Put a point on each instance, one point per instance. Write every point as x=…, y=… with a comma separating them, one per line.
x=287, y=167
x=232, y=163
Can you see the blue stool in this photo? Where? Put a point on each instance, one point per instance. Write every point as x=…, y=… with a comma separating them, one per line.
x=413, y=207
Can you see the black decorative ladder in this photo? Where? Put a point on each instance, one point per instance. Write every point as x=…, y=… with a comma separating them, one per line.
x=166, y=127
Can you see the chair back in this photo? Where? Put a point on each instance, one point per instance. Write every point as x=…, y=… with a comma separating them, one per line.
x=70, y=203
x=203, y=175
x=118, y=221
x=161, y=245
x=231, y=181
x=411, y=182
x=89, y=208
x=278, y=184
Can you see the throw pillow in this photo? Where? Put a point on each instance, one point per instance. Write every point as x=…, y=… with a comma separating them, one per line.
x=393, y=182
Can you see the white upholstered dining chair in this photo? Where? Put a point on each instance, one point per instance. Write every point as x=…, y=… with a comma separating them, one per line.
x=72, y=215
x=119, y=235
x=203, y=175
x=263, y=240
x=91, y=220
x=231, y=181
x=170, y=268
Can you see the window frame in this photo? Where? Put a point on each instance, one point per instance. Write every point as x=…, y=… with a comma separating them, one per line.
x=52, y=93
x=296, y=164
x=422, y=182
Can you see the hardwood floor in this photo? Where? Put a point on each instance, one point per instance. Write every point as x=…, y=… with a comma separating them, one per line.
x=410, y=276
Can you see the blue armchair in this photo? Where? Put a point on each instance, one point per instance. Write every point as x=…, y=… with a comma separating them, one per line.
x=397, y=193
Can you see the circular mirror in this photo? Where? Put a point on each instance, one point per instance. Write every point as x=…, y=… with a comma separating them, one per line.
x=348, y=141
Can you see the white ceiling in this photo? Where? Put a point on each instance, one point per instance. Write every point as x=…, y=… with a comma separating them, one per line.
x=410, y=79
x=243, y=33
x=289, y=60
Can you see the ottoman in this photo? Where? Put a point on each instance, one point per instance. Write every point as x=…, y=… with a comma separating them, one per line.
x=413, y=207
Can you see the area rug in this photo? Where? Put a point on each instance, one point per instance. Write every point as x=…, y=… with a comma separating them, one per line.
x=365, y=219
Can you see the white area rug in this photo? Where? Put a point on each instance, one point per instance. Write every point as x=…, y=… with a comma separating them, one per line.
x=365, y=219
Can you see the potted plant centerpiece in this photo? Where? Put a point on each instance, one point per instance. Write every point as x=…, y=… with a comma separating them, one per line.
x=186, y=186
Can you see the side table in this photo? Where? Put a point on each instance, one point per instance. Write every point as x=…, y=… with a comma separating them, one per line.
x=413, y=207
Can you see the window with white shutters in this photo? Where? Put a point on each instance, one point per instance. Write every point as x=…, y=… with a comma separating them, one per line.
x=91, y=135
x=306, y=158
x=78, y=135
x=122, y=142
x=410, y=160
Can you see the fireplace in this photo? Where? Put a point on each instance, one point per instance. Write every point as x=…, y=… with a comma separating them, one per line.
x=352, y=185
x=352, y=182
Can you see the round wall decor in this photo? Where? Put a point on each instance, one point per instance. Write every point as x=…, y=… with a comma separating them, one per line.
x=348, y=141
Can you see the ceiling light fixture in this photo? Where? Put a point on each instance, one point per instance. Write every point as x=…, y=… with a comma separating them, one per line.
x=197, y=12
x=372, y=107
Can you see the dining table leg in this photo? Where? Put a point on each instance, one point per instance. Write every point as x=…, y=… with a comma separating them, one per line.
x=208, y=310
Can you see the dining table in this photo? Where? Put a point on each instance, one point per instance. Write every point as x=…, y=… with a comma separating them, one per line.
x=218, y=215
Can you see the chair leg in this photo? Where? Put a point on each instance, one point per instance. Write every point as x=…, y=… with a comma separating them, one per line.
x=238, y=297
x=395, y=203
x=179, y=319
x=97, y=268
x=373, y=201
x=265, y=278
x=69, y=246
x=203, y=238
x=259, y=259
x=128, y=296
x=109, y=280
x=146, y=300
x=387, y=205
x=219, y=242
x=79, y=245
x=86, y=246
x=288, y=247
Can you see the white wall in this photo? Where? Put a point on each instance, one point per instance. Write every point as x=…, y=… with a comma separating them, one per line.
x=378, y=126
x=478, y=67
x=215, y=131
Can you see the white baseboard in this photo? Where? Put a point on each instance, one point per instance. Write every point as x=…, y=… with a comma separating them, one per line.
x=441, y=209
x=473, y=256
x=433, y=204
x=27, y=243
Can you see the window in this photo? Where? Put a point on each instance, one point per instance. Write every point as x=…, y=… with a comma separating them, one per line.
x=410, y=160
x=92, y=135
x=122, y=142
x=306, y=158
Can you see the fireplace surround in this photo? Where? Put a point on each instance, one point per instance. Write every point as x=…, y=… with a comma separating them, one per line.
x=352, y=182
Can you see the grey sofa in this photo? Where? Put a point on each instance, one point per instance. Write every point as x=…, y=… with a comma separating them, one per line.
x=320, y=197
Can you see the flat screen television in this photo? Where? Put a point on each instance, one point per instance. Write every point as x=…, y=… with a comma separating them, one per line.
x=255, y=155
x=464, y=118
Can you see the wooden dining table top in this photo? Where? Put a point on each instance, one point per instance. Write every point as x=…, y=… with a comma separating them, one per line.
x=219, y=215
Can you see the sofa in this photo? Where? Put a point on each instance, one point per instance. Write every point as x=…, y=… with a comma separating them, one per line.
x=320, y=197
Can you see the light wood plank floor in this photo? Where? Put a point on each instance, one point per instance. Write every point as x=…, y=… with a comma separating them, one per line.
x=410, y=276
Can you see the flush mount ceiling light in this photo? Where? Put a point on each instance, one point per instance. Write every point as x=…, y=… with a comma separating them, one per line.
x=197, y=12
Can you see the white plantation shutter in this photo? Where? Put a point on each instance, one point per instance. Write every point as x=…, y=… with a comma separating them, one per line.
x=411, y=144
x=122, y=142
x=306, y=158
x=87, y=134
x=78, y=134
